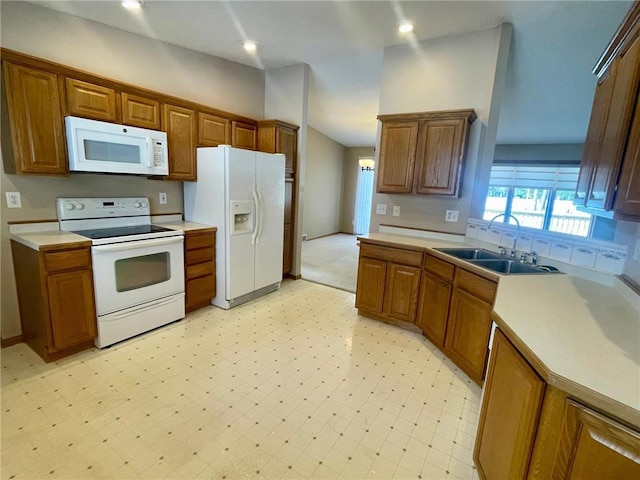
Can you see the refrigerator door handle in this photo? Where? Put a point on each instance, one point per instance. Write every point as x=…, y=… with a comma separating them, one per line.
x=256, y=226
x=260, y=216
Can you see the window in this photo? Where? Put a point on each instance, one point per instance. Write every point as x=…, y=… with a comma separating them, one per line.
x=539, y=196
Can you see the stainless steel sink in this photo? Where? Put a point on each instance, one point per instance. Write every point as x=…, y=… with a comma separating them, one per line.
x=507, y=266
x=470, y=253
x=494, y=261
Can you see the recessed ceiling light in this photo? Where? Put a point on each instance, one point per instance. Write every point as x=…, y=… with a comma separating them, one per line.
x=132, y=4
x=405, y=27
x=250, y=46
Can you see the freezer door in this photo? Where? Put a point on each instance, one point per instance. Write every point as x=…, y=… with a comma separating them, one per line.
x=270, y=219
x=240, y=180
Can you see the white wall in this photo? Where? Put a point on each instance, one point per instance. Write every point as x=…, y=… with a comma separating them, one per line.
x=128, y=58
x=287, y=98
x=350, y=184
x=457, y=72
x=132, y=58
x=323, y=185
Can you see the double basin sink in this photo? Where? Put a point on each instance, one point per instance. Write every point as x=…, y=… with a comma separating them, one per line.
x=494, y=261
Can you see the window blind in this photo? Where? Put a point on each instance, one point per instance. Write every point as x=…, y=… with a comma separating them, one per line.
x=529, y=176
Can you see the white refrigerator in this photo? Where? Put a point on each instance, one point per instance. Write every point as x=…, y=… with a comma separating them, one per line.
x=241, y=192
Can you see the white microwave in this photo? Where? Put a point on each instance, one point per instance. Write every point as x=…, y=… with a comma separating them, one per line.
x=104, y=147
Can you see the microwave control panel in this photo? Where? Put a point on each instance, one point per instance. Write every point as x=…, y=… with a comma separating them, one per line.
x=159, y=159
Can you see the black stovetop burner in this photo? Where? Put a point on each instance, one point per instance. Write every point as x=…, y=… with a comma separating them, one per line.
x=121, y=231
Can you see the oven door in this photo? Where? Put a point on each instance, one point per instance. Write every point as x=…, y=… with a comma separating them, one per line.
x=133, y=273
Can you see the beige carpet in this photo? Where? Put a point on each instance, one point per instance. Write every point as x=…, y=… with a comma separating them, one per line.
x=331, y=261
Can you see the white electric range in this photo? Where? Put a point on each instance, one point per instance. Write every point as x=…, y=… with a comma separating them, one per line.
x=138, y=268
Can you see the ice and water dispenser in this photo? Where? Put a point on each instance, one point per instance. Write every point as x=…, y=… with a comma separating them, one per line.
x=241, y=217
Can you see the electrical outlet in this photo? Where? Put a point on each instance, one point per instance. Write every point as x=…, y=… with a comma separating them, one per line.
x=163, y=198
x=381, y=209
x=396, y=211
x=451, y=216
x=14, y=200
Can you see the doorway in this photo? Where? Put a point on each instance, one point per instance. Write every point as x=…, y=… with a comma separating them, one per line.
x=364, y=195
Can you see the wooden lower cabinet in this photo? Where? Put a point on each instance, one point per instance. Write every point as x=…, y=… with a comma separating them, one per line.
x=55, y=297
x=435, y=296
x=401, y=292
x=469, y=323
x=388, y=283
x=530, y=429
x=509, y=415
x=370, y=286
x=200, y=268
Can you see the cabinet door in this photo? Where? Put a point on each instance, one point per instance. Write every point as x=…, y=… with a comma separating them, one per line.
x=287, y=253
x=627, y=202
x=287, y=144
x=213, y=130
x=91, y=101
x=398, y=143
x=468, y=333
x=35, y=120
x=244, y=135
x=594, y=447
x=72, y=309
x=180, y=125
x=140, y=111
x=370, y=285
x=433, y=307
x=509, y=414
x=626, y=72
x=401, y=292
x=439, y=156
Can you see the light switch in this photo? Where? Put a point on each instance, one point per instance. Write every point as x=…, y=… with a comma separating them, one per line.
x=381, y=209
x=396, y=211
x=163, y=198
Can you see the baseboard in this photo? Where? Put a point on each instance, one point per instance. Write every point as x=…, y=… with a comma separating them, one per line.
x=292, y=276
x=11, y=341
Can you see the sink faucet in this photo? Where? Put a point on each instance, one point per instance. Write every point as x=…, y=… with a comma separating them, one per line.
x=513, y=249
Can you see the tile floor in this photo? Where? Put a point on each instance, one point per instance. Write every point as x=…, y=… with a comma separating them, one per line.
x=293, y=385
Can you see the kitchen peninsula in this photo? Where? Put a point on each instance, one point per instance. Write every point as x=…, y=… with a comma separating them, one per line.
x=574, y=344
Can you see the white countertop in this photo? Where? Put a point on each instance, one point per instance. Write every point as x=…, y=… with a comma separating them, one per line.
x=46, y=234
x=587, y=335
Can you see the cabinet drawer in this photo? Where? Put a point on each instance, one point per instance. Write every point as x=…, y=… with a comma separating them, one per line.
x=475, y=285
x=200, y=290
x=67, y=260
x=199, y=241
x=194, y=271
x=439, y=267
x=396, y=255
x=199, y=256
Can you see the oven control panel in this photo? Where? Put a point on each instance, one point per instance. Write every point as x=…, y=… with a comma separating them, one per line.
x=84, y=208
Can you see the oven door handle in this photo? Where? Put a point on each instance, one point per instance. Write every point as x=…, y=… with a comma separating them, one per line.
x=119, y=247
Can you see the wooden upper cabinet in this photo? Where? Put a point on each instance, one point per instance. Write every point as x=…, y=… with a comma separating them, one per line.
x=140, y=111
x=627, y=204
x=244, y=135
x=32, y=125
x=509, y=415
x=275, y=136
x=213, y=130
x=441, y=148
x=607, y=174
x=181, y=128
x=91, y=101
x=398, y=143
x=423, y=152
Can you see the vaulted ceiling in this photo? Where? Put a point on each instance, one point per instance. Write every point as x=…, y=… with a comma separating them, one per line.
x=549, y=81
